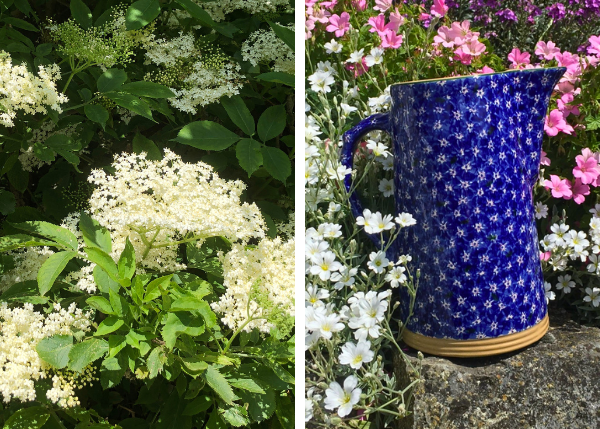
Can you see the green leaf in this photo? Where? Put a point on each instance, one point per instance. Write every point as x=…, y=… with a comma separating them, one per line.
x=239, y=113
x=281, y=373
x=116, y=343
x=111, y=79
x=260, y=406
x=206, y=135
x=155, y=362
x=133, y=103
x=141, y=13
x=108, y=325
x=201, y=403
x=28, y=418
x=220, y=385
x=55, y=350
x=48, y=230
x=181, y=323
x=271, y=123
x=61, y=142
x=94, y=234
x=205, y=20
x=19, y=23
x=82, y=354
x=17, y=241
x=52, y=268
x=103, y=259
x=18, y=177
x=81, y=13
x=247, y=384
x=277, y=77
x=21, y=290
x=96, y=113
x=104, y=282
x=101, y=304
x=8, y=203
x=126, y=263
x=277, y=163
x=249, y=155
x=284, y=33
x=117, y=302
x=147, y=89
x=236, y=416
x=285, y=417
x=215, y=421
x=143, y=144
x=194, y=366
x=186, y=303
x=153, y=289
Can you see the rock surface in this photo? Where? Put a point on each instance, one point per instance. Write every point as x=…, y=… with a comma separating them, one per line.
x=552, y=384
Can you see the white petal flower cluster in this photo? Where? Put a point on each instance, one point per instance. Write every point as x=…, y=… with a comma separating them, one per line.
x=21, y=329
x=219, y=9
x=22, y=90
x=269, y=267
x=265, y=47
x=197, y=78
x=157, y=202
x=27, y=263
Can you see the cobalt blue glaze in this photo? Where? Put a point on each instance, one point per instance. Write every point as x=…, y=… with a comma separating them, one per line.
x=466, y=156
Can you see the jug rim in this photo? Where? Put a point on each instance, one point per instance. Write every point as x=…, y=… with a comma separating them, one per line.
x=475, y=76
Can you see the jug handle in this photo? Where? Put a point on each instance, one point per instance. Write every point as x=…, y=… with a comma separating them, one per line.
x=376, y=122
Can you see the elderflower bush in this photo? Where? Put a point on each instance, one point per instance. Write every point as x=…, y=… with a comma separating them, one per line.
x=146, y=214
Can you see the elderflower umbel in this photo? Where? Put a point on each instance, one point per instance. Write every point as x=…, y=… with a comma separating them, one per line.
x=22, y=90
x=156, y=203
x=21, y=329
x=260, y=284
x=264, y=46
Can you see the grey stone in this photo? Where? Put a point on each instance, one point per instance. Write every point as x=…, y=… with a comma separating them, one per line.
x=552, y=384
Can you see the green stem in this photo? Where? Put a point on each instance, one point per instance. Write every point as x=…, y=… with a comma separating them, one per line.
x=236, y=333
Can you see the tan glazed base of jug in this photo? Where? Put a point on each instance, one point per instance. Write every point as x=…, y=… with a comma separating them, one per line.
x=476, y=348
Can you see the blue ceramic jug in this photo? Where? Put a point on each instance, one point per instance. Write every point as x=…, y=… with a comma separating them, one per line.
x=466, y=157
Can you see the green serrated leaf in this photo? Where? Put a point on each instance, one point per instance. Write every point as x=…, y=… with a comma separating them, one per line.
x=284, y=33
x=82, y=354
x=206, y=135
x=277, y=163
x=181, y=323
x=236, y=416
x=141, y=13
x=108, y=325
x=154, y=287
x=51, y=269
x=94, y=234
x=219, y=384
x=96, y=113
x=17, y=241
x=101, y=304
x=103, y=260
x=277, y=77
x=48, y=230
x=133, y=103
x=239, y=113
x=126, y=263
x=111, y=79
x=271, y=123
x=55, y=350
x=28, y=418
x=143, y=144
x=147, y=89
x=249, y=155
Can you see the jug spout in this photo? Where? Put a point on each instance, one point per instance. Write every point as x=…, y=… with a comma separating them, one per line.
x=537, y=84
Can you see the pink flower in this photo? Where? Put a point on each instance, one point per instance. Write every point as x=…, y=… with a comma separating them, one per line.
x=322, y=16
x=544, y=160
x=473, y=47
x=460, y=55
x=518, y=59
x=444, y=36
x=594, y=47
x=580, y=190
x=568, y=60
x=396, y=20
x=462, y=30
x=587, y=169
x=592, y=61
x=566, y=108
x=546, y=50
x=545, y=256
x=377, y=24
x=439, y=8
x=555, y=123
x=339, y=24
x=424, y=16
x=485, y=69
x=359, y=5
x=391, y=40
x=358, y=68
x=328, y=4
x=309, y=25
x=561, y=188
x=382, y=5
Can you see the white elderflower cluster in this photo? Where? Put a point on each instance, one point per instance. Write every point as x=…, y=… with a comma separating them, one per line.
x=84, y=277
x=267, y=270
x=26, y=265
x=29, y=161
x=157, y=203
x=21, y=329
x=218, y=9
x=199, y=74
x=22, y=90
x=263, y=46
